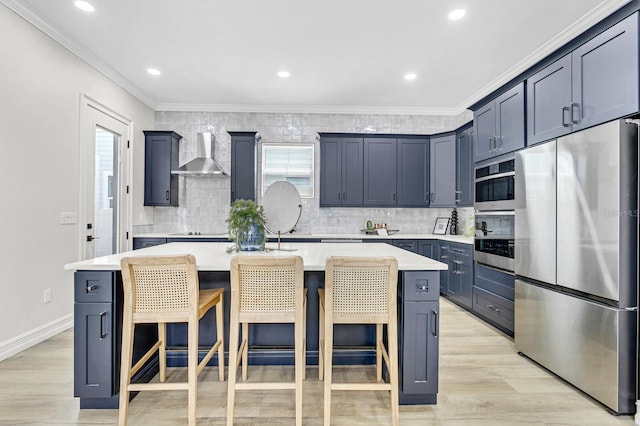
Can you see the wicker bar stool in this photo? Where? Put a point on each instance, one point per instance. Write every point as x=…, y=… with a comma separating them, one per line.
x=162, y=289
x=360, y=290
x=266, y=290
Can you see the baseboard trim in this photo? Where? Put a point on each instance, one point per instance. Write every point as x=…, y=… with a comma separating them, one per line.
x=35, y=336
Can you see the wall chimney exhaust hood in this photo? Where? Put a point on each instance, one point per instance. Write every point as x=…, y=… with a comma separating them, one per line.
x=204, y=164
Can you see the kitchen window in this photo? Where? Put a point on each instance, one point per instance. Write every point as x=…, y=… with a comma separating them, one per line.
x=289, y=162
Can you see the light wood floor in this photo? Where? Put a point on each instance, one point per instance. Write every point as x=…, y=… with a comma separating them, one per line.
x=482, y=382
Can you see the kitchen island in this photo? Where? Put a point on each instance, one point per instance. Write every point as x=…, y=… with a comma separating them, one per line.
x=98, y=318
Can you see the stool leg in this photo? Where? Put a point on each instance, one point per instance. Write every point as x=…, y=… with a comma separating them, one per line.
x=220, y=335
x=379, y=352
x=125, y=367
x=304, y=338
x=192, y=366
x=392, y=345
x=245, y=352
x=328, y=369
x=299, y=367
x=233, y=363
x=162, y=352
x=321, y=339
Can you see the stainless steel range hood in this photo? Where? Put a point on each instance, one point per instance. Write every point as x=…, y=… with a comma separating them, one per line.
x=204, y=164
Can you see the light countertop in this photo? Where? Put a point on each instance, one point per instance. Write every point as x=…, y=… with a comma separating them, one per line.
x=214, y=257
x=357, y=236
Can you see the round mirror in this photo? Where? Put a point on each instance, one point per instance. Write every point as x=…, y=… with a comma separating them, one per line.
x=282, y=207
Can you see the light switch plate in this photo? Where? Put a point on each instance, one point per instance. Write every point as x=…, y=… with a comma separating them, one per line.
x=68, y=218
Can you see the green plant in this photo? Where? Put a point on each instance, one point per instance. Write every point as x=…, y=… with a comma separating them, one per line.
x=244, y=214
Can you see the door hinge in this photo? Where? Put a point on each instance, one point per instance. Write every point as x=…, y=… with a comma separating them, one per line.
x=126, y=235
x=128, y=144
x=127, y=189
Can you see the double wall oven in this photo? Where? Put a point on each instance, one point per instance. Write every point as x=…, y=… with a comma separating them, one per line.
x=495, y=217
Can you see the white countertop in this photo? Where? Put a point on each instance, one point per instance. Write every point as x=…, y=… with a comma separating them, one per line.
x=357, y=236
x=213, y=256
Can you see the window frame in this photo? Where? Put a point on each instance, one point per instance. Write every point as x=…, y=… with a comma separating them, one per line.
x=283, y=145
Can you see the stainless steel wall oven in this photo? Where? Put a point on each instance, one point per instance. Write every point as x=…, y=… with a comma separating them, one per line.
x=495, y=186
x=494, y=239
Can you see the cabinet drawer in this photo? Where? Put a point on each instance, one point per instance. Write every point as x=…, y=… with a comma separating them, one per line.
x=94, y=286
x=493, y=307
x=140, y=243
x=494, y=281
x=461, y=250
x=421, y=286
x=410, y=245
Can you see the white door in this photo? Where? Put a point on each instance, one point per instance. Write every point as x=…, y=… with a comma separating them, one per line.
x=104, y=227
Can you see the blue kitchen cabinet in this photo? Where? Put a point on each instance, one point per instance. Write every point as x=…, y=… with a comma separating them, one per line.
x=428, y=248
x=443, y=256
x=499, y=125
x=341, y=171
x=464, y=167
x=459, y=286
x=412, y=172
x=443, y=171
x=161, y=156
x=243, y=165
x=380, y=156
x=419, y=338
x=493, y=297
x=595, y=83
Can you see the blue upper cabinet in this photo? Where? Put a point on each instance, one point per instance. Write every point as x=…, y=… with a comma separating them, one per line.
x=380, y=172
x=443, y=171
x=413, y=172
x=160, y=157
x=341, y=171
x=499, y=126
x=595, y=83
x=464, y=168
x=243, y=165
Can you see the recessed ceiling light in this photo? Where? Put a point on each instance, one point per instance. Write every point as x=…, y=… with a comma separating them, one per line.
x=457, y=14
x=283, y=74
x=153, y=71
x=83, y=5
x=410, y=76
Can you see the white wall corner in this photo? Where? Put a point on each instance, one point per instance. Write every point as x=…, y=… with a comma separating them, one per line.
x=35, y=336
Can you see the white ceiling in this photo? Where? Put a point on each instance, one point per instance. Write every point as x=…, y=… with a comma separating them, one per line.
x=343, y=55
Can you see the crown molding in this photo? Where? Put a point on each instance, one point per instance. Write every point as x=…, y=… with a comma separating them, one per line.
x=604, y=9
x=309, y=109
x=81, y=51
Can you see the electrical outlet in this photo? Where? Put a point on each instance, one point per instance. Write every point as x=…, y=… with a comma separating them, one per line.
x=68, y=218
x=46, y=296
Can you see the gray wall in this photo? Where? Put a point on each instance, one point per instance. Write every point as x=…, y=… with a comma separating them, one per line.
x=204, y=202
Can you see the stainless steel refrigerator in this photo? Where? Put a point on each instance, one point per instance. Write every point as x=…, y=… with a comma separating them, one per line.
x=576, y=236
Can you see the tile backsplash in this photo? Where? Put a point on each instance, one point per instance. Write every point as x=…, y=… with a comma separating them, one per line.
x=204, y=202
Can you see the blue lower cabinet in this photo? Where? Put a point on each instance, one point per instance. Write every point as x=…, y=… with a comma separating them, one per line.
x=460, y=274
x=418, y=337
x=410, y=245
x=493, y=297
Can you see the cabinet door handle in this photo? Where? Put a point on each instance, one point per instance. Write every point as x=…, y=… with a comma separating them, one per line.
x=344, y=196
x=167, y=195
x=565, y=110
x=103, y=334
x=457, y=264
x=436, y=324
x=458, y=196
x=394, y=196
x=497, y=139
x=575, y=106
x=90, y=288
x=339, y=196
